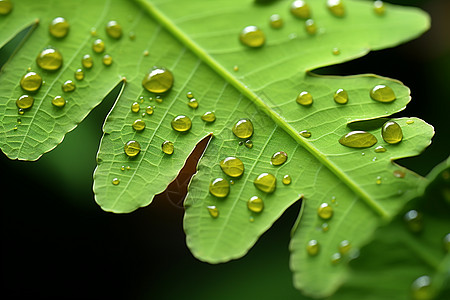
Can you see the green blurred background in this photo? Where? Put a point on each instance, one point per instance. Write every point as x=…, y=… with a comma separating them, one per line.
x=57, y=243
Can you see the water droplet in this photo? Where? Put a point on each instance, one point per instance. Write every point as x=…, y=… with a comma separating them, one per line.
x=379, y=7
x=59, y=27
x=335, y=258
x=219, y=187
x=446, y=242
x=128, y=168
x=325, y=227
x=209, y=117
x=344, y=247
x=49, y=59
x=159, y=99
x=79, y=74
x=278, y=158
x=181, y=123
x=341, y=96
x=68, y=86
x=421, y=288
x=399, y=174
x=59, y=101
x=380, y=149
x=336, y=51
x=113, y=29
x=286, y=179
x=255, y=204
x=193, y=103
x=266, y=182
x=336, y=7
x=409, y=122
x=276, y=21
x=414, y=220
x=31, y=82
x=252, y=36
x=248, y=144
x=132, y=35
x=149, y=110
x=305, y=133
x=93, y=31
x=189, y=95
x=146, y=53
x=251, y=219
x=138, y=125
x=310, y=27
x=107, y=60
x=305, y=98
x=378, y=181
x=382, y=93
x=98, y=46
x=19, y=121
x=213, y=211
x=232, y=166
x=243, y=128
x=21, y=111
x=132, y=148
x=158, y=80
x=167, y=147
x=236, y=68
x=312, y=247
x=24, y=102
x=300, y=9
x=122, y=168
x=115, y=181
x=391, y=132
x=358, y=139
x=325, y=211
x=135, y=107
x=5, y=7
x=87, y=61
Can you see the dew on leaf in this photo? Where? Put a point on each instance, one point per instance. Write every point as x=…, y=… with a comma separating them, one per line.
x=378, y=181
x=286, y=179
x=304, y=98
x=379, y=8
x=59, y=27
x=358, y=139
x=251, y=219
x=305, y=133
x=113, y=29
x=79, y=74
x=190, y=95
x=132, y=148
x=135, y=107
x=93, y=31
x=98, y=46
x=209, y=117
x=382, y=93
x=341, y=96
x=21, y=111
x=167, y=147
x=310, y=27
x=181, y=123
x=193, y=103
x=5, y=7
x=380, y=149
x=24, y=102
x=68, y=86
x=213, y=211
x=344, y=247
x=219, y=187
x=409, y=122
x=336, y=51
x=243, y=128
x=232, y=166
x=335, y=258
x=49, y=59
x=107, y=60
x=312, y=248
x=391, y=132
x=336, y=7
x=300, y=9
x=325, y=227
x=31, y=82
x=276, y=21
x=115, y=181
x=255, y=204
x=252, y=36
x=59, y=101
x=421, y=288
x=278, y=158
x=399, y=174
x=138, y=125
x=266, y=182
x=149, y=110
x=325, y=211
x=122, y=168
x=158, y=80
x=414, y=220
x=248, y=144
x=87, y=61
x=158, y=99
x=236, y=68
x=132, y=35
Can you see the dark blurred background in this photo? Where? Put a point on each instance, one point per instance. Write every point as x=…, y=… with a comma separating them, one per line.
x=58, y=244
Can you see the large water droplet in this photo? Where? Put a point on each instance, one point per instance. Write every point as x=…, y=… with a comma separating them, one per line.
x=113, y=29
x=382, y=93
x=358, y=139
x=243, y=128
x=158, y=80
x=391, y=132
x=59, y=101
x=312, y=247
x=68, y=86
x=304, y=98
x=190, y=95
x=414, y=220
x=209, y=117
x=59, y=27
x=252, y=36
x=213, y=211
x=25, y=102
x=219, y=187
x=167, y=147
x=325, y=211
x=87, y=61
x=181, y=123
x=138, y=125
x=255, y=204
x=5, y=7
x=278, y=158
x=31, y=82
x=266, y=182
x=132, y=148
x=49, y=59
x=276, y=21
x=336, y=7
x=98, y=46
x=300, y=9
x=421, y=288
x=232, y=166
x=341, y=96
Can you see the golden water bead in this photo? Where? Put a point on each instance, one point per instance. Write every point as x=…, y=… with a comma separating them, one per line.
x=278, y=158
x=341, y=96
x=132, y=148
x=167, y=147
x=59, y=27
x=209, y=117
x=310, y=27
x=325, y=211
x=391, y=132
x=379, y=8
x=382, y=93
x=87, y=61
x=300, y=9
x=380, y=149
x=312, y=247
x=305, y=133
x=232, y=166
x=138, y=125
x=219, y=187
x=255, y=204
x=158, y=80
x=115, y=181
x=5, y=7
x=25, y=102
x=305, y=98
x=358, y=139
x=59, y=101
x=181, y=123
x=422, y=289
x=79, y=74
x=31, y=82
x=193, y=103
x=286, y=179
x=213, y=211
x=98, y=46
x=344, y=247
x=266, y=182
x=276, y=21
x=336, y=7
x=49, y=59
x=135, y=107
x=336, y=258
x=190, y=95
x=252, y=36
x=248, y=144
x=149, y=110
x=414, y=220
x=113, y=29
x=68, y=86
x=107, y=60
x=243, y=128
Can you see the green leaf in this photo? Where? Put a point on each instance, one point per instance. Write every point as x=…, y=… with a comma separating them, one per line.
x=198, y=41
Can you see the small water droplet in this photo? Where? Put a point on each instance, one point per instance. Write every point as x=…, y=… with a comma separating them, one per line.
x=107, y=60
x=135, y=107
x=193, y=103
x=278, y=158
x=149, y=110
x=98, y=46
x=344, y=247
x=122, y=168
x=158, y=80
x=336, y=258
x=132, y=148
x=358, y=139
x=209, y=117
x=113, y=29
x=181, y=123
x=382, y=93
x=312, y=248
x=325, y=211
x=379, y=7
x=378, y=181
x=304, y=98
x=380, y=149
x=219, y=187
x=251, y=219
x=391, y=132
x=399, y=174
x=310, y=27
x=79, y=74
x=409, y=122
x=341, y=96
x=49, y=59
x=266, y=182
x=15, y=128
x=414, y=220
x=243, y=128
x=336, y=51
x=21, y=111
x=325, y=227
x=232, y=166
x=158, y=99
x=19, y=121
x=132, y=35
x=276, y=21
x=300, y=9
x=213, y=211
x=128, y=168
x=235, y=68
x=167, y=147
x=138, y=125
x=93, y=31
x=24, y=102
x=59, y=27
x=231, y=181
x=146, y=53
x=5, y=7
x=59, y=101
x=286, y=179
x=248, y=144
x=87, y=61
x=255, y=204
x=190, y=95
x=31, y=82
x=336, y=7
x=252, y=36
x=115, y=181
x=305, y=133
x=421, y=288
x=68, y=86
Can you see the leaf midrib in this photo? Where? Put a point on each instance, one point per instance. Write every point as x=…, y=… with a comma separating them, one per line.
x=170, y=26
